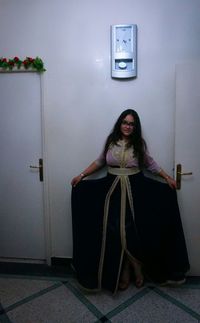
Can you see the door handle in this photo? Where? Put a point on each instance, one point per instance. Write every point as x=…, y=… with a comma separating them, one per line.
x=40, y=167
x=179, y=173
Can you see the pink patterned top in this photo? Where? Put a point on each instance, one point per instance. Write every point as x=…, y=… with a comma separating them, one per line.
x=119, y=155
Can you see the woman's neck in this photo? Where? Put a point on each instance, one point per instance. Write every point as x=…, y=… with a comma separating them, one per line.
x=124, y=138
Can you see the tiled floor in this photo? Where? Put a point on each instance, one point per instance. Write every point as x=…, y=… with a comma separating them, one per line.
x=56, y=298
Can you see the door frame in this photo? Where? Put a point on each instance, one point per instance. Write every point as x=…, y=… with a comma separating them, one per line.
x=46, y=200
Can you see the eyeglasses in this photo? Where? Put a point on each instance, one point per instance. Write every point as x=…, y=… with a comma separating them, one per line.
x=126, y=123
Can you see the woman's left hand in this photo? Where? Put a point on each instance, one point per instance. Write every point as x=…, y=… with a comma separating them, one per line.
x=171, y=182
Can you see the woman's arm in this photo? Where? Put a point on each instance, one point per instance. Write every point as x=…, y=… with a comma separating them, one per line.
x=153, y=167
x=169, y=179
x=92, y=168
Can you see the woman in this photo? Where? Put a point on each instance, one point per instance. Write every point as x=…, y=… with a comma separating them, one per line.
x=126, y=222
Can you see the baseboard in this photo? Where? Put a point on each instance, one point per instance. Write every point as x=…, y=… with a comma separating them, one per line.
x=58, y=261
x=22, y=260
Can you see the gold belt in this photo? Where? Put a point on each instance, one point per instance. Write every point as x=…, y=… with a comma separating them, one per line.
x=123, y=171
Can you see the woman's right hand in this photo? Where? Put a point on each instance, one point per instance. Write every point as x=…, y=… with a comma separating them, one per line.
x=88, y=171
x=76, y=180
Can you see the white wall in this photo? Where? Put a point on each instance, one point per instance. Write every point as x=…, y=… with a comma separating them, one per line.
x=81, y=100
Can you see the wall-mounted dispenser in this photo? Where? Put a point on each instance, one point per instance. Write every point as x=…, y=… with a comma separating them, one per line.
x=124, y=51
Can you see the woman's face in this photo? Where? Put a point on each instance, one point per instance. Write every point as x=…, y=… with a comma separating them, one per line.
x=127, y=126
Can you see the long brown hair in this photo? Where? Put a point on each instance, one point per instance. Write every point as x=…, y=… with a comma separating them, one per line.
x=135, y=139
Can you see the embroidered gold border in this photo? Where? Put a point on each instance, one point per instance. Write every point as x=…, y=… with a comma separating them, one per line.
x=105, y=220
x=122, y=176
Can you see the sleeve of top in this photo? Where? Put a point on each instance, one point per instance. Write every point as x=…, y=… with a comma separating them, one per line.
x=101, y=160
x=151, y=165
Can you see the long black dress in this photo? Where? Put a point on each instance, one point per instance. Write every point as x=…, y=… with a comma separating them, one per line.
x=130, y=214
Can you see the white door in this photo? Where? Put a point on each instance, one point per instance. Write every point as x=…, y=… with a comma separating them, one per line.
x=21, y=192
x=187, y=153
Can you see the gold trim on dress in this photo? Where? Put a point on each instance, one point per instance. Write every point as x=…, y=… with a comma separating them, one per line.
x=122, y=176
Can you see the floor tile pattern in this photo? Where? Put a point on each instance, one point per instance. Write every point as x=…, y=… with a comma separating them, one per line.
x=59, y=299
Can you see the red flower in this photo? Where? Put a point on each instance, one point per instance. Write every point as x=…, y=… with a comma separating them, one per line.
x=11, y=63
x=4, y=60
x=16, y=59
x=30, y=59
